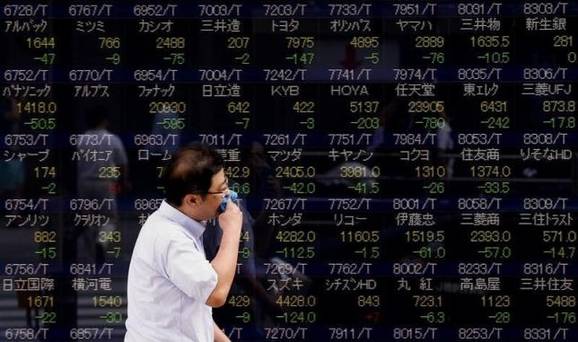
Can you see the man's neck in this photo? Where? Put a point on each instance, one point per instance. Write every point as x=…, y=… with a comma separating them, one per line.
x=192, y=216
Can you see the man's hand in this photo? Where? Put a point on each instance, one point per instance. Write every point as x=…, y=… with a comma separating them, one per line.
x=225, y=262
x=231, y=220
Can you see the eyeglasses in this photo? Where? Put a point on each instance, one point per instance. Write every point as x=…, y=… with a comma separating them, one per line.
x=216, y=192
x=220, y=192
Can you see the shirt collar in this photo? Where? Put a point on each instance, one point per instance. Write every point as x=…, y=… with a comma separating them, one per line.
x=175, y=215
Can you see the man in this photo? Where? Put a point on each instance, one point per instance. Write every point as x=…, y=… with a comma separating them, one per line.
x=99, y=180
x=172, y=288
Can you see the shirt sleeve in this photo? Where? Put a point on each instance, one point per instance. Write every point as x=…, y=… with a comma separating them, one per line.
x=120, y=157
x=188, y=269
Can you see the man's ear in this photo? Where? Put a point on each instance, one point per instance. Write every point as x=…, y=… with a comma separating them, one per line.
x=192, y=199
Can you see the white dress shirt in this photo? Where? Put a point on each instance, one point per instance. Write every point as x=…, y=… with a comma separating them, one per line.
x=169, y=281
x=97, y=149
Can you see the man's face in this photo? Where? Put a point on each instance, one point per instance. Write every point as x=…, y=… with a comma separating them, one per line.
x=209, y=205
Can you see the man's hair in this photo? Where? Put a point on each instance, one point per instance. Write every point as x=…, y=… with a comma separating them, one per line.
x=190, y=171
x=95, y=116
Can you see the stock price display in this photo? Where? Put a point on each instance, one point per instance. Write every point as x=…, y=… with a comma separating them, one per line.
x=407, y=168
